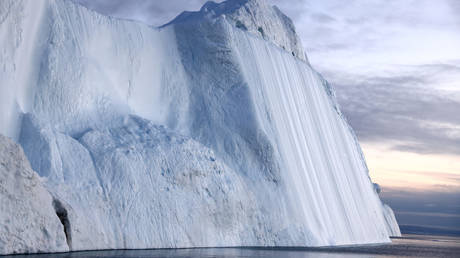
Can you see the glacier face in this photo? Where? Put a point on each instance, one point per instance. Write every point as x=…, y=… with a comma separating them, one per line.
x=200, y=133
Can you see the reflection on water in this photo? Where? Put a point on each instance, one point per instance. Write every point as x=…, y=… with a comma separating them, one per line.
x=409, y=245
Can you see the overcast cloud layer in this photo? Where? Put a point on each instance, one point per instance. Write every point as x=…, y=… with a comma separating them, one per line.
x=436, y=210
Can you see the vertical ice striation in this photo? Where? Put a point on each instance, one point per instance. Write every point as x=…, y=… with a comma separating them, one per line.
x=210, y=131
x=391, y=223
x=328, y=178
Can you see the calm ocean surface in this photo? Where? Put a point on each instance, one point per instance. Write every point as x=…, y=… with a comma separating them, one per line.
x=407, y=246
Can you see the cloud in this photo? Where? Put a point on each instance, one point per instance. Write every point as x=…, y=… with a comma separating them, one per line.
x=147, y=11
x=412, y=200
x=322, y=18
x=427, y=208
x=451, y=179
x=156, y=13
x=402, y=108
x=455, y=5
x=378, y=34
x=295, y=9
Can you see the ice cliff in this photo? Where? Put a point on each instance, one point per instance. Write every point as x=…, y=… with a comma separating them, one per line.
x=212, y=130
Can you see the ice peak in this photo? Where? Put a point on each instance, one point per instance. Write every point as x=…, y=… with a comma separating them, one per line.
x=257, y=17
x=213, y=10
x=230, y=6
x=210, y=10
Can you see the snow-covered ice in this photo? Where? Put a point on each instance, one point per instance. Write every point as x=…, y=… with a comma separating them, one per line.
x=204, y=132
x=28, y=220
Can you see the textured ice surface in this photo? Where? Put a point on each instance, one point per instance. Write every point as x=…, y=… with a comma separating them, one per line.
x=256, y=17
x=200, y=133
x=28, y=221
x=139, y=185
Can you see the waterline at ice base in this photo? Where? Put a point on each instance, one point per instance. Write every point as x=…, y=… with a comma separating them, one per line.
x=210, y=131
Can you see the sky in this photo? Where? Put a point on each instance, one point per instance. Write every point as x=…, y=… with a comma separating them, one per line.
x=395, y=66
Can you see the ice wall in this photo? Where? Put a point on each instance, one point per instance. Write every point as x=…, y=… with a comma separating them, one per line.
x=288, y=122
x=200, y=133
x=21, y=39
x=75, y=69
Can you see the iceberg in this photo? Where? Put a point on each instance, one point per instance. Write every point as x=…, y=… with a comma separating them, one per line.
x=210, y=131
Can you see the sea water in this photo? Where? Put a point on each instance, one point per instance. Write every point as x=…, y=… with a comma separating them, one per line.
x=408, y=245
